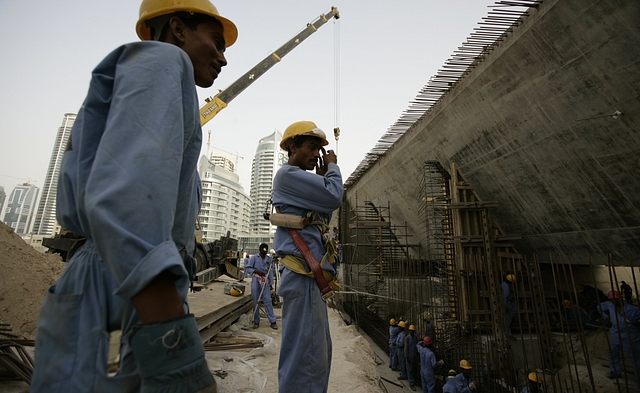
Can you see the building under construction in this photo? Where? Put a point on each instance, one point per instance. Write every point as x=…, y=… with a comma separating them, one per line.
x=519, y=157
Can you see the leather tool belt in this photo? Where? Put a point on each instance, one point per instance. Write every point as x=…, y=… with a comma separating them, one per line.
x=312, y=262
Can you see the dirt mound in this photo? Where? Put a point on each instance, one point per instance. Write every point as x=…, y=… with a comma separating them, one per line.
x=26, y=276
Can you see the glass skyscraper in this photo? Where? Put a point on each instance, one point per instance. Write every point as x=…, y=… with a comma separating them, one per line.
x=46, y=214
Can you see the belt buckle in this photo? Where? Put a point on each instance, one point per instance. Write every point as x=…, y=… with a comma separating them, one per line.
x=327, y=295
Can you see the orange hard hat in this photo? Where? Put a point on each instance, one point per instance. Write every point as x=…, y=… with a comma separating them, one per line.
x=613, y=295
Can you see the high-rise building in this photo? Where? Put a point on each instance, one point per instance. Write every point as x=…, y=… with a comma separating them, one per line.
x=3, y=196
x=46, y=214
x=268, y=159
x=20, y=208
x=225, y=206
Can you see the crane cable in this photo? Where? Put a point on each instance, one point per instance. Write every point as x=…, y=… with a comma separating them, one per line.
x=336, y=82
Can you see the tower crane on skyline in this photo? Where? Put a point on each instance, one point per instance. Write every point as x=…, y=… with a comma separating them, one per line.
x=236, y=155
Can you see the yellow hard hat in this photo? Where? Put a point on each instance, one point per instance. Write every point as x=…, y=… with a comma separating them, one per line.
x=392, y=322
x=579, y=288
x=534, y=377
x=511, y=277
x=402, y=324
x=150, y=9
x=234, y=291
x=566, y=303
x=452, y=373
x=412, y=327
x=465, y=364
x=427, y=318
x=302, y=128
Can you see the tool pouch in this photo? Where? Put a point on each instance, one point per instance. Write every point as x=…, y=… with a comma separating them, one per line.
x=170, y=356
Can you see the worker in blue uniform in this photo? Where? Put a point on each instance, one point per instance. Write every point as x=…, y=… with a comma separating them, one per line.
x=624, y=332
x=260, y=268
x=305, y=352
x=450, y=384
x=393, y=335
x=128, y=183
x=402, y=362
x=464, y=380
x=509, y=301
x=428, y=365
x=411, y=355
x=575, y=313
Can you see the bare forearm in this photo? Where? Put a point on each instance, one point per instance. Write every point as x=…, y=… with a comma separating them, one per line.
x=159, y=301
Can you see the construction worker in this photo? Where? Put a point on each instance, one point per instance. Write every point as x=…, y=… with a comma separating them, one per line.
x=626, y=291
x=450, y=384
x=428, y=365
x=260, y=268
x=464, y=381
x=129, y=185
x=624, y=332
x=402, y=361
x=429, y=329
x=509, y=301
x=410, y=355
x=245, y=262
x=305, y=352
x=393, y=335
x=534, y=383
x=576, y=313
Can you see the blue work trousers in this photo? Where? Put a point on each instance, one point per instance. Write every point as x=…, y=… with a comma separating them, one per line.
x=510, y=313
x=403, y=362
x=393, y=356
x=256, y=288
x=305, y=350
x=428, y=382
x=631, y=349
x=411, y=364
x=73, y=331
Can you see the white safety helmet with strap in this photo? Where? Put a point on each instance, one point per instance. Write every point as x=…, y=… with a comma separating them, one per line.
x=302, y=128
x=150, y=9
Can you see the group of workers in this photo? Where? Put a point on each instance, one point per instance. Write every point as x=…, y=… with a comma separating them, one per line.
x=408, y=354
x=129, y=184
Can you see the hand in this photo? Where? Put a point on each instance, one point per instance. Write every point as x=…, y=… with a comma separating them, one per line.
x=441, y=362
x=472, y=385
x=323, y=162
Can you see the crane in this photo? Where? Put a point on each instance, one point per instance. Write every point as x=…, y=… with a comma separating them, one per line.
x=224, y=151
x=220, y=101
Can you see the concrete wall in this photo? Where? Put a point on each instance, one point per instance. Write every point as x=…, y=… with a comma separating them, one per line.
x=528, y=128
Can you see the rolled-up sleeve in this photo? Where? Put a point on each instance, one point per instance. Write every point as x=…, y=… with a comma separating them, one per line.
x=132, y=191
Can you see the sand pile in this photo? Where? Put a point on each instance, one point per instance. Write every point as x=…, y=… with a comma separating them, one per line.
x=26, y=276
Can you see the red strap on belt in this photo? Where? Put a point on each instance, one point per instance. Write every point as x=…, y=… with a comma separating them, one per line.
x=312, y=262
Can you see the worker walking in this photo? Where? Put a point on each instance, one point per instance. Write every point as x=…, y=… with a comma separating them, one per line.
x=623, y=333
x=308, y=273
x=626, y=291
x=534, y=383
x=428, y=365
x=450, y=384
x=464, y=381
x=509, y=301
x=393, y=335
x=129, y=185
x=260, y=268
x=402, y=361
x=244, y=264
x=410, y=355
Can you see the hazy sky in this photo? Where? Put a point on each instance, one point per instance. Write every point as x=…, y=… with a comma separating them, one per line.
x=387, y=53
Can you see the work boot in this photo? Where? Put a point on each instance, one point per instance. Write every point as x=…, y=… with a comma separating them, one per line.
x=255, y=325
x=612, y=375
x=274, y=326
x=400, y=378
x=412, y=388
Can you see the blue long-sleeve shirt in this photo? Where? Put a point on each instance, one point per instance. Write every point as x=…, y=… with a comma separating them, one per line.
x=128, y=180
x=296, y=191
x=628, y=327
x=256, y=263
